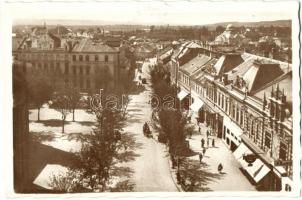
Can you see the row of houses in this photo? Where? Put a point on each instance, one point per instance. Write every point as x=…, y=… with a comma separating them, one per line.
x=247, y=102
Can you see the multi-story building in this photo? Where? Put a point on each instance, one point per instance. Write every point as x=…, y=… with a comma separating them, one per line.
x=81, y=63
x=246, y=100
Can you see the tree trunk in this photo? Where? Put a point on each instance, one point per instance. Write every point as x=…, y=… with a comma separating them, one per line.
x=38, y=114
x=73, y=115
x=63, y=123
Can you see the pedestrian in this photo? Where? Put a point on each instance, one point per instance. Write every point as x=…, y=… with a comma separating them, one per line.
x=199, y=129
x=202, y=143
x=208, y=142
x=190, y=134
x=208, y=133
x=204, y=151
x=220, y=167
x=200, y=157
x=213, y=142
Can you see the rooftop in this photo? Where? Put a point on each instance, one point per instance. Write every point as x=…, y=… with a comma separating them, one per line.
x=87, y=45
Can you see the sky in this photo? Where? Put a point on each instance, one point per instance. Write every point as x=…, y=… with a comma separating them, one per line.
x=156, y=12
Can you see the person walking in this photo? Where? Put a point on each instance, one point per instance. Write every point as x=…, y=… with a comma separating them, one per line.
x=208, y=142
x=200, y=157
x=199, y=129
x=202, y=143
x=208, y=133
x=220, y=167
x=204, y=151
x=213, y=142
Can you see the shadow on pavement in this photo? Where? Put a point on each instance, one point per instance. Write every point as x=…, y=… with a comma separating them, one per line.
x=198, y=176
x=42, y=136
x=52, y=122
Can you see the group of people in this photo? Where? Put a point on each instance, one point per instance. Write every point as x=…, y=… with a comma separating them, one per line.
x=202, y=141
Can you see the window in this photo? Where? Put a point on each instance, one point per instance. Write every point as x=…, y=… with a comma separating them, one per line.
x=222, y=101
x=87, y=57
x=106, y=58
x=75, y=82
x=74, y=69
x=237, y=114
x=283, y=151
x=226, y=104
x=45, y=67
x=267, y=141
x=81, y=83
x=81, y=70
x=96, y=58
x=52, y=67
x=219, y=103
x=87, y=70
x=81, y=58
x=74, y=57
x=241, y=117
x=233, y=111
x=66, y=68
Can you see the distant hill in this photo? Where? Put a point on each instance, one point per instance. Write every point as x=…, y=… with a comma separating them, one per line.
x=118, y=26
x=282, y=23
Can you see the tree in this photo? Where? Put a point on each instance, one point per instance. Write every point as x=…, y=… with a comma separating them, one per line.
x=101, y=151
x=62, y=104
x=40, y=91
x=219, y=29
x=74, y=96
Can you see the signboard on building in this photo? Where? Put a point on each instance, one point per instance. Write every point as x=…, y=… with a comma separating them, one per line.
x=283, y=162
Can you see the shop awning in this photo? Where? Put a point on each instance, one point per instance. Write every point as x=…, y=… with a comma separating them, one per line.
x=240, y=151
x=196, y=105
x=257, y=170
x=182, y=94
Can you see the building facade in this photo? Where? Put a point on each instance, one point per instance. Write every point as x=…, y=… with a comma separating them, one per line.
x=246, y=100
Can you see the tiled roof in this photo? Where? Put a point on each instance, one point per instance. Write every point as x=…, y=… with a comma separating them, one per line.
x=240, y=69
x=195, y=64
x=199, y=74
x=86, y=45
x=286, y=67
x=285, y=84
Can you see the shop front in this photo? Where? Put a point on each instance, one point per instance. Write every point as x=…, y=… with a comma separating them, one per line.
x=264, y=172
x=258, y=172
x=231, y=133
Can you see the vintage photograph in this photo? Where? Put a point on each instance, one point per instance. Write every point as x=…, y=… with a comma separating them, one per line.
x=162, y=96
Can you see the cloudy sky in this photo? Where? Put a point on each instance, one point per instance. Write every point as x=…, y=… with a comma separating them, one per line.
x=156, y=12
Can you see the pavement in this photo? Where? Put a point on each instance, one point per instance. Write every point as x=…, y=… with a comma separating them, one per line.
x=232, y=179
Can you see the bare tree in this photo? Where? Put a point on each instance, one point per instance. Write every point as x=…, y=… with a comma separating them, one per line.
x=74, y=97
x=61, y=103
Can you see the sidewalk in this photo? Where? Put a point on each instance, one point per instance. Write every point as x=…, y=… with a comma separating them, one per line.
x=233, y=179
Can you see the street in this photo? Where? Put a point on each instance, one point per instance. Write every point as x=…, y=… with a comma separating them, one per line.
x=151, y=167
